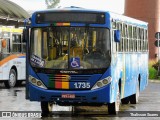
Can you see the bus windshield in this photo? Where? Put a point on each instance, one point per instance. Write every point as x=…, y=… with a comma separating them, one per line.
x=70, y=48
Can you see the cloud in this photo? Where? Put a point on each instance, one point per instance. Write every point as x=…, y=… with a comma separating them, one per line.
x=31, y=4
x=108, y=5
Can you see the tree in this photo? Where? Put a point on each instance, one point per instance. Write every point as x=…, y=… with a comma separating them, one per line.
x=51, y=3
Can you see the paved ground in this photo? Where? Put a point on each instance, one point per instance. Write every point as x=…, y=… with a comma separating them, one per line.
x=14, y=100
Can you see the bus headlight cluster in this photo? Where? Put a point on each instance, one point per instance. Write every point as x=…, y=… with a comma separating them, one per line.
x=102, y=83
x=36, y=82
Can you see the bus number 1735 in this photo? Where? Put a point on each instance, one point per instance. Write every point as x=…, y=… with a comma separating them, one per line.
x=82, y=85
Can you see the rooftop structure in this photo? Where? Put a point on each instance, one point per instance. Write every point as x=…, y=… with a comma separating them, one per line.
x=12, y=14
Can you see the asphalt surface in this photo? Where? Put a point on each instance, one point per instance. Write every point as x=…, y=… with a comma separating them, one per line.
x=13, y=101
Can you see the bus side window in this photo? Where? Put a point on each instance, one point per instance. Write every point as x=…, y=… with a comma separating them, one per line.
x=139, y=38
x=130, y=38
x=117, y=44
x=134, y=38
x=16, y=43
x=125, y=37
x=120, y=45
x=114, y=44
x=143, y=47
x=146, y=39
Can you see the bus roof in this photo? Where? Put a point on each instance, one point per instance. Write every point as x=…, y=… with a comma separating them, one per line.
x=126, y=19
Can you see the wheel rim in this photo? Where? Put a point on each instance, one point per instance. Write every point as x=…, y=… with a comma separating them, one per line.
x=50, y=106
x=12, y=79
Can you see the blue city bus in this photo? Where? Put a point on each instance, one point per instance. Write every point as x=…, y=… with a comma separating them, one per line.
x=80, y=57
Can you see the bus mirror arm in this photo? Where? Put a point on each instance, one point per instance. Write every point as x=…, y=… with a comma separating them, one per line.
x=117, y=35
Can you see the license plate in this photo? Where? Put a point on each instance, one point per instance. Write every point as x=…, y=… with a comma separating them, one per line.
x=68, y=95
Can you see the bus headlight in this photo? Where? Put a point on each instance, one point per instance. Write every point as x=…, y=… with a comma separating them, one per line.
x=102, y=83
x=99, y=84
x=33, y=80
x=36, y=82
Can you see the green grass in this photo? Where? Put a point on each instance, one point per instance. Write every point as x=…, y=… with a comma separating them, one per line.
x=152, y=71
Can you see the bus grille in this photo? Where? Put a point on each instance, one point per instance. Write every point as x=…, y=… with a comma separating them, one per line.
x=65, y=82
x=71, y=78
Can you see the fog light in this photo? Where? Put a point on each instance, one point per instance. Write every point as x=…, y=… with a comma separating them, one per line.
x=99, y=84
x=33, y=80
x=39, y=83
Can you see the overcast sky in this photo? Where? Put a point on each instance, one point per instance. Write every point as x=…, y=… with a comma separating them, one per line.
x=111, y=5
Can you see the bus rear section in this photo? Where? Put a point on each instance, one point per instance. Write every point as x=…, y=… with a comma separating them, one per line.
x=70, y=61
x=12, y=56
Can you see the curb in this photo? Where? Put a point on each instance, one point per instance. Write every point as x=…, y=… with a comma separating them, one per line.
x=155, y=81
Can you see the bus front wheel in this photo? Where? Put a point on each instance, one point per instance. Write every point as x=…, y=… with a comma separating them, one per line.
x=113, y=108
x=46, y=108
x=12, y=79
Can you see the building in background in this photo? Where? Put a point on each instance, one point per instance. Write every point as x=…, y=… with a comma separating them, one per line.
x=149, y=11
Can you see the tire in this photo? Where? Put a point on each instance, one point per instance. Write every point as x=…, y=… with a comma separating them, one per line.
x=113, y=108
x=134, y=98
x=76, y=109
x=12, y=79
x=46, y=108
x=19, y=83
x=125, y=100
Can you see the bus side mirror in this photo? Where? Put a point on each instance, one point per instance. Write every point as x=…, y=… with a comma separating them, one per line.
x=117, y=35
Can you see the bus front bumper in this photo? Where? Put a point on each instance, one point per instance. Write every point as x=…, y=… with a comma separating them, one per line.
x=100, y=96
